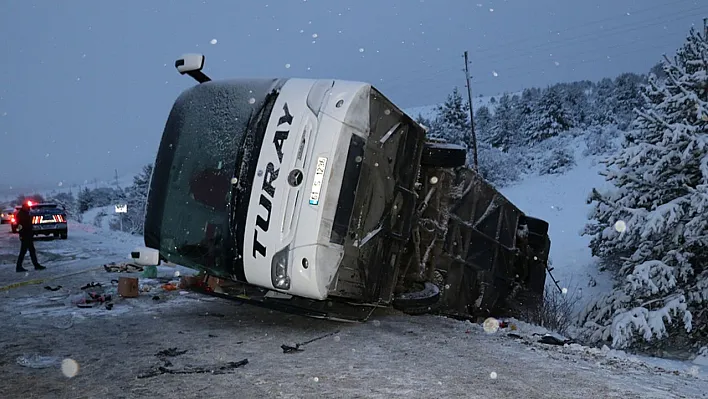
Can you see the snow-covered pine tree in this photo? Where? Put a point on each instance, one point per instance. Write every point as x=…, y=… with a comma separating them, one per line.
x=136, y=196
x=628, y=97
x=482, y=123
x=654, y=224
x=504, y=130
x=84, y=200
x=452, y=123
x=604, y=102
x=575, y=102
x=550, y=118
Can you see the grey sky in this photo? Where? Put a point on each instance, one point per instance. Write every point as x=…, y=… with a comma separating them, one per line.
x=87, y=85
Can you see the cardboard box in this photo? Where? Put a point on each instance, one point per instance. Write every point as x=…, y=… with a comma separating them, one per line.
x=128, y=287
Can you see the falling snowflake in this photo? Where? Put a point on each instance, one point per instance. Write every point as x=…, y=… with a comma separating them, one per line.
x=495, y=73
x=491, y=10
x=316, y=379
x=213, y=41
x=302, y=31
x=361, y=49
x=377, y=323
x=177, y=274
x=491, y=325
x=557, y=63
x=337, y=338
x=60, y=184
x=251, y=100
x=493, y=375
x=69, y=367
x=287, y=65
x=564, y=290
x=314, y=35
x=620, y=226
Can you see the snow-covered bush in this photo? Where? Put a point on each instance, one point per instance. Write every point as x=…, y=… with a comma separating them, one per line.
x=653, y=222
x=497, y=167
x=558, y=161
x=601, y=140
x=98, y=220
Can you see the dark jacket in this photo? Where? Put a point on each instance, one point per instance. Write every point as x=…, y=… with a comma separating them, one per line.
x=24, y=219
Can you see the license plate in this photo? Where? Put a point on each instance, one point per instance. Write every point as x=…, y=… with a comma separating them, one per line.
x=317, y=183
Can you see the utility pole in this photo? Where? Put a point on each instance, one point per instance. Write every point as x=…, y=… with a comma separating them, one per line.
x=469, y=97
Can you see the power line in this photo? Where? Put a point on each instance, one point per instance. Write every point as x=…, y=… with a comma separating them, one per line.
x=598, y=21
x=608, y=33
x=516, y=53
x=437, y=77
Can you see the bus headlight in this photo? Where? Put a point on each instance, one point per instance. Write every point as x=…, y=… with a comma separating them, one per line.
x=279, y=269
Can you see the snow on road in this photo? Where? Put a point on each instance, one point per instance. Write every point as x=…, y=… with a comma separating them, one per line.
x=393, y=355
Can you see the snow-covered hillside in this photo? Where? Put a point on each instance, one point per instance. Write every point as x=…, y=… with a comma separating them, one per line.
x=430, y=111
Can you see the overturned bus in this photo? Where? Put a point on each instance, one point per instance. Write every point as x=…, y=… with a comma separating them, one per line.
x=323, y=198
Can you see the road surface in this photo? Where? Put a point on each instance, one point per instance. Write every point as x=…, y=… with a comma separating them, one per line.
x=391, y=356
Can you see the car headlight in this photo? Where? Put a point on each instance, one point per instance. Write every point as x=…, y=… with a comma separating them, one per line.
x=279, y=269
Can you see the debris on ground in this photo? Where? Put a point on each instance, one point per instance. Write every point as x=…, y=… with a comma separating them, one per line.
x=174, y=352
x=297, y=346
x=169, y=287
x=122, y=268
x=57, y=288
x=553, y=340
x=213, y=314
x=128, y=287
x=217, y=369
x=37, y=361
x=91, y=285
x=149, y=272
x=170, y=352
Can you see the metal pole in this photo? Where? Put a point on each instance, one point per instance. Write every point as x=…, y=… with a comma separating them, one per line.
x=469, y=97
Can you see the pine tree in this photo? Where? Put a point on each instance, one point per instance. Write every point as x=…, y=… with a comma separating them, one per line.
x=84, y=200
x=136, y=198
x=504, y=130
x=604, y=103
x=628, y=97
x=550, y=118
x=653, y=224
x=482, y=123
x=453, y=122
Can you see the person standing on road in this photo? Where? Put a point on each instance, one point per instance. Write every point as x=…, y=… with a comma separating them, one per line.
x=24, y=227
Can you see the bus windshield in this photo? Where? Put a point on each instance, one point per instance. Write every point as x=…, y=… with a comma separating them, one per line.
x=200, y=158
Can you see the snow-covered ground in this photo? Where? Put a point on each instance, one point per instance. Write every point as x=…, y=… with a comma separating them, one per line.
x=393, y=355
x=562, y=201
x=430, y=111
